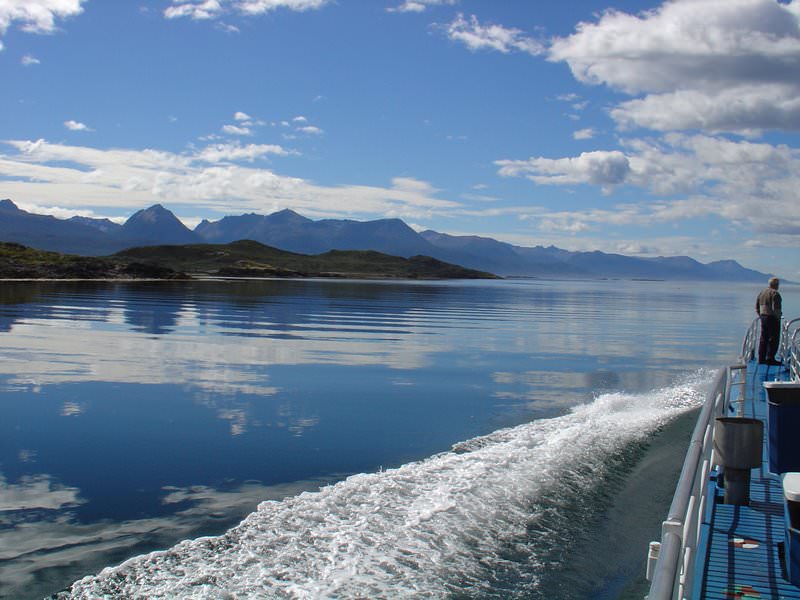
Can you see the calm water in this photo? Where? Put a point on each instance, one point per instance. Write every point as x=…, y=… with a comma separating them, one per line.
x=133, y=416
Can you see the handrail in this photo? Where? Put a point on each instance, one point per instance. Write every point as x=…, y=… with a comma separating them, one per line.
x=671, y=568
x=679, y=531
x=790, y=347
x=750, y=341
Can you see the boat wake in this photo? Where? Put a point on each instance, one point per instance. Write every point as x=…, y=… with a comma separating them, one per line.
x=472, y=522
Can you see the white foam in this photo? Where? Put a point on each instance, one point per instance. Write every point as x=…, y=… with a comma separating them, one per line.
x=423, y=530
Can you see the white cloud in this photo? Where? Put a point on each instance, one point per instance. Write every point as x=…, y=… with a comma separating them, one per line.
x=199, y=10
x=107, y=180
x=310, y=130
x=698, y=176
x=717, y=65
x=418, y=6
x=37, y=16
x=76, y=126
x=29, y=60
x=584, y=134
x=227, y=27
x=493, y=37
x=236, y=130
x=230, y=152
x=212, y=9
x=242, y=116
x=745, y=109
x=599, y=168
x=257, y=7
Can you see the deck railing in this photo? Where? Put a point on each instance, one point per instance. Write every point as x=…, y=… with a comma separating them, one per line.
x=671, y=561
x=750, y=342
x=670, y=565
x=789, y=348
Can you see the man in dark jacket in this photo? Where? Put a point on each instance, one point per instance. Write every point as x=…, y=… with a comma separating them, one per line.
x=768, y=307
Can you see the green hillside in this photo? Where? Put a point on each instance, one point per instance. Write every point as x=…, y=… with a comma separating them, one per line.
x=21, y=262
x=238, y=259
x=246, y=258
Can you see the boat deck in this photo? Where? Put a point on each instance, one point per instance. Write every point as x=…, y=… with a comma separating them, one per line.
x=741, y=547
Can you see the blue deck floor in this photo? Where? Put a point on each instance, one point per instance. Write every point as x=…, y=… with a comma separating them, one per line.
x=742, y=546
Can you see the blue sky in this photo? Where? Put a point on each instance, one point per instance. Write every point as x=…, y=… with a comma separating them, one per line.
x=644, y=128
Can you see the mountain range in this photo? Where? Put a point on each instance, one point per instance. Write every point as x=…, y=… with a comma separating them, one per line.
x=288, y=230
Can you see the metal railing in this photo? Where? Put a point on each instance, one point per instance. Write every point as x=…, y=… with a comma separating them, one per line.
x=670, y=565
x=750, y=342
x=789, y=348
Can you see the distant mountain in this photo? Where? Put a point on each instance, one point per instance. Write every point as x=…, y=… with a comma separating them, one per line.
x=92, y=237
x=502, y=258
x=730, y=269
x=104, y=225
x=156, y=225
x=290, y=231
x=49, y=233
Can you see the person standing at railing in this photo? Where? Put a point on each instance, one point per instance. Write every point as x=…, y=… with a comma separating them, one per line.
x=768, y=307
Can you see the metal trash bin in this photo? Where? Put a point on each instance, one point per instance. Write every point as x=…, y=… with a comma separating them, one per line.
x=791, y=494
x=738, y=443
x=783, y=425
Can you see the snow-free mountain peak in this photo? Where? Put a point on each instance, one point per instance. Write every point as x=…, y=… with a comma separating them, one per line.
x=157, y=225
x=288, y=230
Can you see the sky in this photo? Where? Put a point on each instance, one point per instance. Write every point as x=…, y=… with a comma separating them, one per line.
x=636, y=127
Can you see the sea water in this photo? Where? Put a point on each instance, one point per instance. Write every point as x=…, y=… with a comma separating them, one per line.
x=344, y=439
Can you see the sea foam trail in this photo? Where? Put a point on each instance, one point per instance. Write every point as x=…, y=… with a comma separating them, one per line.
x=424, y=530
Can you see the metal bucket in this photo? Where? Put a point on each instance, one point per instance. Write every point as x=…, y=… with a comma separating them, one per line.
x=738, y=443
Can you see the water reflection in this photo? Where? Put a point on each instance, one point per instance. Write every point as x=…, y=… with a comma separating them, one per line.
x=45, y=546
x=141, y=413
x=33, y=493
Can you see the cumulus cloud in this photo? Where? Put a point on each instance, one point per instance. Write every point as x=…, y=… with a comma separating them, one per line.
x=418, y=6
x=747, y=110
x=236, y=130
x=717, y=65
x=213, y=9
x=242, y=116
x=231, y=152
x=600, y=168
x=37, y=16
x=584, y=134
x=29, y=60
x=688, y=177
x=205, y=9
x=257, y=7
x=476, y=36
x=219, y=177
x=76, y=126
